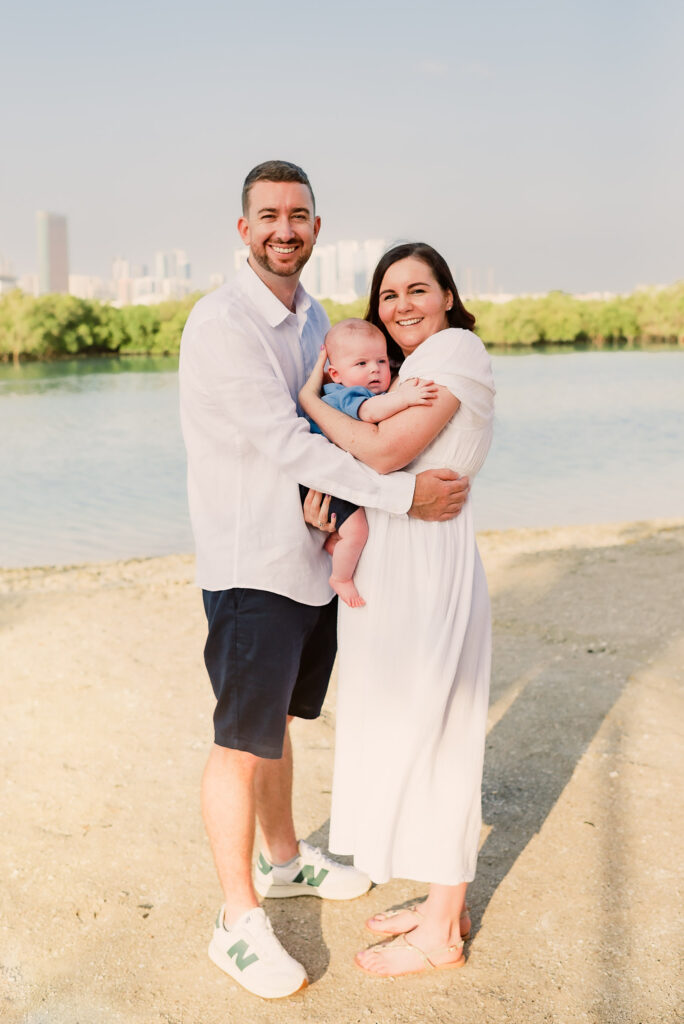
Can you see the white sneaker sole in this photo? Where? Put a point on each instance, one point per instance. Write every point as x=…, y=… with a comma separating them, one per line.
x=233, y=972
x=276, y=892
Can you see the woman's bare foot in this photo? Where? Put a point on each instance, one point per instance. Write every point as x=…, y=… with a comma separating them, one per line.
x=402, y=955
x=400, y=922
x=347, y=591
x=394, y=922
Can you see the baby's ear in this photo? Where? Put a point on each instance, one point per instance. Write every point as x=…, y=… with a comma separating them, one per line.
x=333, y=374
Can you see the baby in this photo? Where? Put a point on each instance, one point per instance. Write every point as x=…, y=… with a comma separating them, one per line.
x=360, y=372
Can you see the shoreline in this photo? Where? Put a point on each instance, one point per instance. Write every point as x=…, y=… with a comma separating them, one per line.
x=643, y=344
x=110, y=891
x=517, y=538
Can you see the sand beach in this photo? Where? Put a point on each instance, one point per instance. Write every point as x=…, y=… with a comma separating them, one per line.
x=109, y=892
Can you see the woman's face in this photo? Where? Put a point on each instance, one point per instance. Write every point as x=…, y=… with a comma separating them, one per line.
x=412, y=305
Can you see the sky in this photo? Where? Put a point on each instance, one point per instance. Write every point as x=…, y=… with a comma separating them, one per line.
x=538, y=144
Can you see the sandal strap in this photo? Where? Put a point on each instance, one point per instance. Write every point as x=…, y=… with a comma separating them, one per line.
x=401, y=940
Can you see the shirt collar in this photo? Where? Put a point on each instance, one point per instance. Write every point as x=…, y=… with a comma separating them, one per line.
x=268, y=304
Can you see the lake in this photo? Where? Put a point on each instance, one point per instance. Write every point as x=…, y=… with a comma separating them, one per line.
x=92, y=462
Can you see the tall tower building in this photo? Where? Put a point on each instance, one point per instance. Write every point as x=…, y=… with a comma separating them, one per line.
x=162, y=267
x=53, y=259
x=182, y=265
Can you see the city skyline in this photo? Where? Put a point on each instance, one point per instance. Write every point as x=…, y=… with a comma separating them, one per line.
x=127, y=283
x=543, y=145
x=339, y=271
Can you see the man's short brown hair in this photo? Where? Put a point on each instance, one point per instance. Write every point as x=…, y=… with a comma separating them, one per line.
x=274, y=170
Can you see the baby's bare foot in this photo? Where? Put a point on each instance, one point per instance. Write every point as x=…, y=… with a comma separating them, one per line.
x=347, y=591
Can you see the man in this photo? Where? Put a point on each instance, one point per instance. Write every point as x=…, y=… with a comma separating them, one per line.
x=246, y=351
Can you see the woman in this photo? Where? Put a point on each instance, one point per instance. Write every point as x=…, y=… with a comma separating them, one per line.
x=414, y=663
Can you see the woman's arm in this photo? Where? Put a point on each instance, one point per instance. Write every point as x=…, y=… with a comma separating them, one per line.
x=384, y=446
x=381, y=407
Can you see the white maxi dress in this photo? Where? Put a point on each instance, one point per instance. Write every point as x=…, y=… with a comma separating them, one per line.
x=414, y=663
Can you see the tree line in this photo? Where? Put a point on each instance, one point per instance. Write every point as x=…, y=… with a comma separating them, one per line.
x=63, y=326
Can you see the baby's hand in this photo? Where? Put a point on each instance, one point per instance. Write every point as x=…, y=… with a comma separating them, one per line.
x=422, y=392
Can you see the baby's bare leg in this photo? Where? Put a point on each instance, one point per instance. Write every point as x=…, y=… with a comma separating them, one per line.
x=331, y=542
x=353, y=535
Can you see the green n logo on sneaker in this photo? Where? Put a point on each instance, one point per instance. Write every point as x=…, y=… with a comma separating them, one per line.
x=238, y=950
x=263, y=865
x=307, y=875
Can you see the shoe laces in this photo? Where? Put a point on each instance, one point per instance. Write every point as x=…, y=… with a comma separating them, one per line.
x=316, y=854
x=263, y=938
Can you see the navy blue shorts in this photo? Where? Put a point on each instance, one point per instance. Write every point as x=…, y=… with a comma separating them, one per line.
x=267, y=657
x=342, y=509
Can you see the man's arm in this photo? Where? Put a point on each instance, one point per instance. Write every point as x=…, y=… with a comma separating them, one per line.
x=381, y=407
x=229, y=384
x=440, y=495
x=228, y=376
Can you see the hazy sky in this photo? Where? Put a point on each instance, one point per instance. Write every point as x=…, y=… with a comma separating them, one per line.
x=541, y=140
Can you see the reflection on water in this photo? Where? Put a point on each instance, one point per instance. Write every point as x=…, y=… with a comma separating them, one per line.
x=92, y=462
x=32, y=377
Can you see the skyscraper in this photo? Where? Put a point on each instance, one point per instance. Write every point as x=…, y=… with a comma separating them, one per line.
x=53, y=260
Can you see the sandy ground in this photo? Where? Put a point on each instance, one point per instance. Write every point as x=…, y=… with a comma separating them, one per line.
x=109, y=892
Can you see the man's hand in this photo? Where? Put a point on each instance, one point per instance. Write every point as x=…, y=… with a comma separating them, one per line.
x=316, y=507
x=440, y=494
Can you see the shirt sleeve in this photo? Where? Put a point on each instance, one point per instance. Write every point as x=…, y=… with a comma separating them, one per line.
x=348, y=400
x=229, y=373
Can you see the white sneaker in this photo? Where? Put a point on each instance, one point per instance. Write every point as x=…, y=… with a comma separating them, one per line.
x=312, y=873
x=251, y=954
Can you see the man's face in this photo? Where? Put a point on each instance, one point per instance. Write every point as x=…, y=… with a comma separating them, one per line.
x=279, y=226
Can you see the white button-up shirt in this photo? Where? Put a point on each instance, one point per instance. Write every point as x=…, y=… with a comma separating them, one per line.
x=244, y=356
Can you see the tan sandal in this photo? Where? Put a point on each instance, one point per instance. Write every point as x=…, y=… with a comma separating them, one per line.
x=427, y=958
x=387, y=915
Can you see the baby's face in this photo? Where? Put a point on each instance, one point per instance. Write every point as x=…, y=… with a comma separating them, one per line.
x=360, y=360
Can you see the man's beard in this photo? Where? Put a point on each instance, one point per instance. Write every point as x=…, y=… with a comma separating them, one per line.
x=261, y=257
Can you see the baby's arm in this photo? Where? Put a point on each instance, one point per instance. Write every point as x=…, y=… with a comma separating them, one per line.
x=412, y=392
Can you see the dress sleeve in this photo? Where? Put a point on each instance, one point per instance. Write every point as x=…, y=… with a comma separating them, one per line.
x=348, y=400
x=456, y=359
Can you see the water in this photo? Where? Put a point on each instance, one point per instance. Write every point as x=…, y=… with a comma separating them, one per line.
x=93, y=468
x=92, y=462
x=585, y=437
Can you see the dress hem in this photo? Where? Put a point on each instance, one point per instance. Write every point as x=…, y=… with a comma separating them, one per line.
x=411, y=876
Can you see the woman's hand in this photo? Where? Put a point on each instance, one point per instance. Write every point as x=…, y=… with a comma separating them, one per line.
x=314, y=384
x=316, y=506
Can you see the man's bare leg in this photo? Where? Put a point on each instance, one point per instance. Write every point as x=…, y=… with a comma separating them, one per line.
x=228, y=806
x=228, y=809
x=273, y=792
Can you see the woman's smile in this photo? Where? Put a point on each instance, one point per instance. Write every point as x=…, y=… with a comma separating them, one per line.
x=412, y=305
